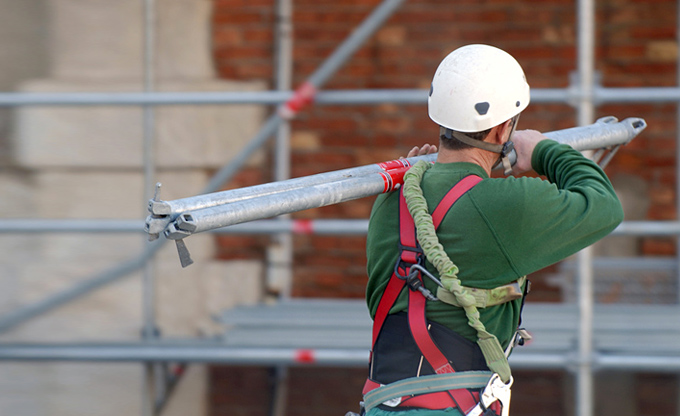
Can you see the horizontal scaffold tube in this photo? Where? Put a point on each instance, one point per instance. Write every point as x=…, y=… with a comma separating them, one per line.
x=183, y=217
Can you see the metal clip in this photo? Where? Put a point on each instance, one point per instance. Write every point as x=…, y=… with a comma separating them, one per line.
x=183, y=226
x=428, y=274
x=414, y=282
x=151, y=226
x=495, y=390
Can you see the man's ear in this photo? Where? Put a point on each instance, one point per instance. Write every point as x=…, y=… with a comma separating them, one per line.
x=505, y=131
x=499, y=133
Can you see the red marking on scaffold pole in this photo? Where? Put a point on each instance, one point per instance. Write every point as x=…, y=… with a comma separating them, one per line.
x=305, y=356
x=396, y=177
x=302, y=97
x=303, y=227
x=387, y=182
x=394, y=164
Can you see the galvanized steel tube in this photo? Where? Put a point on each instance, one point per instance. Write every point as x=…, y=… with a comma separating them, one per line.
x=286, y=202
x=179, y=206
x=296, y=226
x=585, y=114
x=207, y=212
x=604, y=133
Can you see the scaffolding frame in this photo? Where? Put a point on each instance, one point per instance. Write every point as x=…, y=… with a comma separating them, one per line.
x=584, y=94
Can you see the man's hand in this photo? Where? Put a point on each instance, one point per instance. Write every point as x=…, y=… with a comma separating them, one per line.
x=525, y=141
x=427, y=149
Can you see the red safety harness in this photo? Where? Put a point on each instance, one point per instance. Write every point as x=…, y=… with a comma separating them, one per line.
x=411, y=254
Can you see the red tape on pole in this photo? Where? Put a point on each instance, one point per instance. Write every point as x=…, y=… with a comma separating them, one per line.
x=302, y=97
x=303, y=227
x=305, y=356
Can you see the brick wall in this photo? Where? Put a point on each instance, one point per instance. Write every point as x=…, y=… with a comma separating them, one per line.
x=635, y=47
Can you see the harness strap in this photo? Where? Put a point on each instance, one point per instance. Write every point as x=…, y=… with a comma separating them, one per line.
x=425, y=384
x=410, y=254
x=451, y=197
x=418, y=325
x=487, y=297
x=433, y=250
x=417, y=302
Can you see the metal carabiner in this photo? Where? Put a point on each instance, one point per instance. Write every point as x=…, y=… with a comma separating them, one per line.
x=495, y=390
x=412, y=277
x=427, y=273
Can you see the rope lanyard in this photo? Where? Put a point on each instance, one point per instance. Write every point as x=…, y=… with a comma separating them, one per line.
x=448, y=271
x=411, y=255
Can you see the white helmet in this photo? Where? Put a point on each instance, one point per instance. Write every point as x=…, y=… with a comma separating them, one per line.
x=477, y=87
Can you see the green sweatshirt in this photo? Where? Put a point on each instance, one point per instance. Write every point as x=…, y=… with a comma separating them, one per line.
x=502, y=229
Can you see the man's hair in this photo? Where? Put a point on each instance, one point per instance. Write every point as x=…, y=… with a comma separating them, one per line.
x=447, y=140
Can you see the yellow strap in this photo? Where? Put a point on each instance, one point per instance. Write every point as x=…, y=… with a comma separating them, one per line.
x=435, y=254
x=487, y=297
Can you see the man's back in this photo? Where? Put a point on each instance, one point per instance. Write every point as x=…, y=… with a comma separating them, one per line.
x=501, y=230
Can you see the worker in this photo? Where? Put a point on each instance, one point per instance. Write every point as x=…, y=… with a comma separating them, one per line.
x=446, y=305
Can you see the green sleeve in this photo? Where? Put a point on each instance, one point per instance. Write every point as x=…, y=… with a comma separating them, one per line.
x=574, y=208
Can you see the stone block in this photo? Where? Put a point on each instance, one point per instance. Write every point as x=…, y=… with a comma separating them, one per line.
x=18, y=196
x=186, y=301
x=189, y=299
x=105, y=40
x=105, y=137
x=17, y=202
x=109, y=313
x=108, y=195
x=91, y=388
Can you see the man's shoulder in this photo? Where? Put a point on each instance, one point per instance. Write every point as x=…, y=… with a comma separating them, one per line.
x=507, y=190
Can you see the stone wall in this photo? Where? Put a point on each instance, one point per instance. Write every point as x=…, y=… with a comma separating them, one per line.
x=86, y=162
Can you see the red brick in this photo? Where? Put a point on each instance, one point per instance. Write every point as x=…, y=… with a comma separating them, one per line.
x=404, y=54
x=241, y=17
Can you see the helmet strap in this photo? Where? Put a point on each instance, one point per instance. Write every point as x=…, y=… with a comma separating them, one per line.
x=503, y=150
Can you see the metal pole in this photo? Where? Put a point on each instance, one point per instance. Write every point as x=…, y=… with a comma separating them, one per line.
x=308, y=89
x=585, y=114
x=148, y=284
x=604, y=133
x=232, y=207
x=295, y=226
x=179, y=206
x=329, y=97
x=28, y=312
x=280, y=250
x=207, y=352
x=337, y=97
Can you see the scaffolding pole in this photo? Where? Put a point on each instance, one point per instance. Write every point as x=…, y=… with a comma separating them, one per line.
x=318, y=78
x=585, y=394
x=206, y=352
x=265, y=227
x=181, y=218
x=150, y=386
x=600, y=95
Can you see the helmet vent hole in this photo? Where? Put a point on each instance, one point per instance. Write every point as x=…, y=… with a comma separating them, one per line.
x=482, y=108
x=517, y=104
x=431, y=89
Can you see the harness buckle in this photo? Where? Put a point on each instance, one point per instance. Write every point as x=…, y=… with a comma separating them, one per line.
x=412, y=270
x=405, y=264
